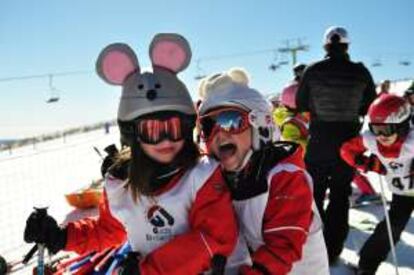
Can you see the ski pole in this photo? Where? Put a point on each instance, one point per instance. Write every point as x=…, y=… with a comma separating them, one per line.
x=98, y=269
x=80, y=263
x=29, y=254
x=65, y=265
x=42, y=212
x=98, y=152
x=389, y=229
x=120, y=255
x=8, y=267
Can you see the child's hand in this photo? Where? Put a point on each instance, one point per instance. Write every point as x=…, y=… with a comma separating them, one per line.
x=370, y=163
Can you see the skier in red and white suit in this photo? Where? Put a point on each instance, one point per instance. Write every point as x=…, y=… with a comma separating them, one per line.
x=270, y=187
x=390, y=141
x=171, y=205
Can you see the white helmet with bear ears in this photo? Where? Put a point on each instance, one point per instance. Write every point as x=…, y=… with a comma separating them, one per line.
x=148, y=92
x=230, y=89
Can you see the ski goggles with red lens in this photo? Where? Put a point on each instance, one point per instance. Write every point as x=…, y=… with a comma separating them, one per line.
x=385, y=130
x=153, y=131
x=230, y=121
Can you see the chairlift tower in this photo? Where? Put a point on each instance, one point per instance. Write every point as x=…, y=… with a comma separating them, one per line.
x=294, y=48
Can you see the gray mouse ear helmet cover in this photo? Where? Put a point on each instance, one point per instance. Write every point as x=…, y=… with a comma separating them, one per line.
x=148, y=92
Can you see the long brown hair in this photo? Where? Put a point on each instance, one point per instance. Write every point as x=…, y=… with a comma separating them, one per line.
x=142, y=168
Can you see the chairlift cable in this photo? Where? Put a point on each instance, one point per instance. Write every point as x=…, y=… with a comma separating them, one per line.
x=240, y=54
x=57, y=74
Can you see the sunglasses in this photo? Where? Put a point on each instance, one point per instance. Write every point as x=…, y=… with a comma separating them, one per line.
x=385, y=130
x=153, y=131
x=229, y=121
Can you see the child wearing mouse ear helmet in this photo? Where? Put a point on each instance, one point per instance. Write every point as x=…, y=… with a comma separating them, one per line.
x=162, y=197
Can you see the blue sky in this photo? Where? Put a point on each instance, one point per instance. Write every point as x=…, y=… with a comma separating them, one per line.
x=48, y=36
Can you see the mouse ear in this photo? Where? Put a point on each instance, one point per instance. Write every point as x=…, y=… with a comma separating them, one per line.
x=170, y=51
x=116, y=62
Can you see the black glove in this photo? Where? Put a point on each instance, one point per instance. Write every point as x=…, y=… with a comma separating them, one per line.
x=44, y=229
x=115, y=163
x=130, y=265
x=109, y=160
x=370, y=163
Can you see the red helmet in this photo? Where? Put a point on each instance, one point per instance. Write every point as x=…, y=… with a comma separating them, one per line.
x=389, y=109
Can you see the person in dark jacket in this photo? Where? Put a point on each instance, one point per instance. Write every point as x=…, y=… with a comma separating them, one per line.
x=409, y=96
x=337, y=92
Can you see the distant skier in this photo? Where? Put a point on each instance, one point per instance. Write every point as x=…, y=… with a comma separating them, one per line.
x=384, y=87
x=297, y=72
x=293, y=124
x=107, y=127
x=390, y=140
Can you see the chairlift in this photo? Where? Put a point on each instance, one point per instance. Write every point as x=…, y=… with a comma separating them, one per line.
x=376, y=63
x=405, y=63
x=284, y=60
x=200, y=72
x=53, y=99
x=53, y=92
x=273, y=67
x=199, y=77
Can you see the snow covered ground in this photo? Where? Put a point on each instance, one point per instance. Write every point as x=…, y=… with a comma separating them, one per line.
x=357, y=237
x=41, y=175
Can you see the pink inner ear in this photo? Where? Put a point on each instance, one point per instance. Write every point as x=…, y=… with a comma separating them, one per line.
x=116, y=66
x=168, y=55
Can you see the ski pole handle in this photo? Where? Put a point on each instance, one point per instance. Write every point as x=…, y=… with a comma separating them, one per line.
x=42, y=212
x=218, y=264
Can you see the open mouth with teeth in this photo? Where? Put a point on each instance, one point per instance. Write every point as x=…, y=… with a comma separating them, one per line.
x=226, y=150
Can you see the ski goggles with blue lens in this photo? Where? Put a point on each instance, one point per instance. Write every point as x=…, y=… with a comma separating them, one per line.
x=230, y=121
